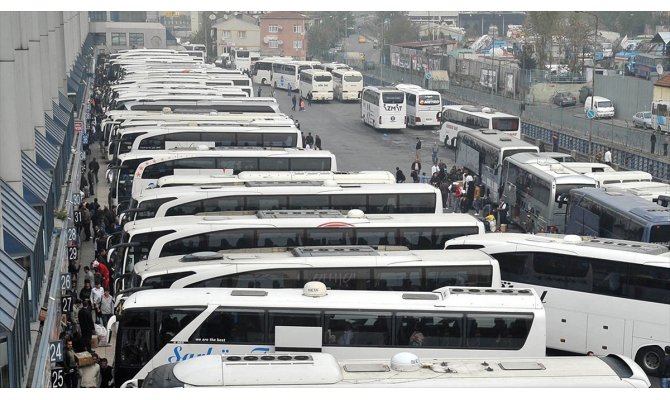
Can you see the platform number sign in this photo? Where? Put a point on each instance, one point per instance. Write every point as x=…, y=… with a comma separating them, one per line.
x=65, y=281
x=76, y=198
x=72, y=253
x=57, y=378
x=56, y=351
x=66, y=303
x=71, y=237
x=76, y=217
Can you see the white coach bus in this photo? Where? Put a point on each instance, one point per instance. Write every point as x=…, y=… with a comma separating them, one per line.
x=383, y=107
x=162, y=326
x=456, y=118
x=347, y=84
x=424, y=107
x=601, y=295
x=317, y=82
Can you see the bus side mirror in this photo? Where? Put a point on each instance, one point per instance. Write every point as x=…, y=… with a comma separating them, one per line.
x=561, y=199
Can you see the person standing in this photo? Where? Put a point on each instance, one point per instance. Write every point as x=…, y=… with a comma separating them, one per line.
x=309, y=98
x=272, y=91
x=106, y=307
x=434, y=150
x=302, y=104
x=71, y=368
x=289, y=89
x=665, y=145
x=259, y=91
x=653, y=143
x=435, y=168
x=664, y=370
x=91, y=183
x=502, y=215
x=608, y=157
x=95, y=167
x=96, y=299
x=90, y=375
x=86, y=222
x=86, y=324
x=477, y=203
x=317, y=143
x=106, y=375
x=294, y=101
x=309, y=140
x=554, y=141
x=418, y=149
x=399, y=176
x=416, y=166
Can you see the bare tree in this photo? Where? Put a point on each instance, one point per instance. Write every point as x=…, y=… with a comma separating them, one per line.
x=543, y=25
x=577, y=30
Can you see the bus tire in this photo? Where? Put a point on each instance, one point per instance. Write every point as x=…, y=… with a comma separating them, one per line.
x=649, y=359
x=264, y=82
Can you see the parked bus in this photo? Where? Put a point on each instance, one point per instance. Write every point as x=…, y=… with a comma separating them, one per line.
x=646, y=64
x=330, y=67
x=286, y=74
x=536, y=190
x=317, y=82
x=293, y=228
x=238, y=105
x=322, y=370
x=227, y=161
x=601, y=295
x=409, y=198
x=261, y=70
x=196, y=47
x=456, y=118
x=612, y=213
x=242, y=58
x=162, y=326
x=347, y=84
x=588, y=167
x=660, y=116
x=647, y=190
x=482, y=152
x=338, y=267
x=218, y=136
x=383, y=107
x=424, y=107
x=605, y=179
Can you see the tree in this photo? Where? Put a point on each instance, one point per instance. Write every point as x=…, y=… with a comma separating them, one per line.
x=525, y=59
x=326, y=31
x=577, y=29
x=543, y=25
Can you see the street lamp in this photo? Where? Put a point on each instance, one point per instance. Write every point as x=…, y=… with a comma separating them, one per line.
x=593, y=81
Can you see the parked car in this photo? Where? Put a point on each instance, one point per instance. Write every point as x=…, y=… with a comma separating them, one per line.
x=601, y=106
x=584, y=92
x=642, y=119
x=564, y=99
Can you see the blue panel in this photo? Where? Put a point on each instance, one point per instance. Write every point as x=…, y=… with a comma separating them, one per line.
x=46, y=150
x=65, y=102
x=60, y=116
x=36, y=180
x=72, y=86
x=12, y=282
x=54, y=132
x=19, y=219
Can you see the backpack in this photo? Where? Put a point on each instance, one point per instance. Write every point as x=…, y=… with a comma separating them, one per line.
x=458, y=192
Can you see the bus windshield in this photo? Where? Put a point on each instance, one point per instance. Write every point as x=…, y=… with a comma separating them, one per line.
x=660, y=234
x=565, y=189
x=505, y=124
x=353, y=78
x=510, y=152
x=429, y=99
x=242, y=54
x=323, y=78
x=393, y=98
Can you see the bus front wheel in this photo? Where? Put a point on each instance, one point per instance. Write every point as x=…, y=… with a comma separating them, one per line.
x=649, y=358
x=264, y=82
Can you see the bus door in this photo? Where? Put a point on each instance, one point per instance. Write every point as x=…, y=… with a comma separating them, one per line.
x=491, y=181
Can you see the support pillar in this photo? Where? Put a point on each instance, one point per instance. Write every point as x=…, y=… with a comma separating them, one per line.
x=22, y=90
x=43, y=27
x=35, y=74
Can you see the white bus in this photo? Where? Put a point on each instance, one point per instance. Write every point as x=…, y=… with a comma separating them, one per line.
x=286, y=74
x=605, y=179
x=408, y=198
x=196, y=47
x=162, y=326
x=601, y=295
x=242, y=58
x=330, y=67
x=322, y=370
x=647, y=190
x=660, y=116
x=227, y=161
x=537, y=190
x=457, y=118
x=166, y=138
x=237, y=105
x=347, y=84
x=140, y=239
x=261, y=70
x=482, y=152
x=424, y=107
x=383, y=107
x=318, y=82
x=338, y=267
x=587, y=167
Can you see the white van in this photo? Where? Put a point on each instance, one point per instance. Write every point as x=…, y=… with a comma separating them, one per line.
x=603, y=108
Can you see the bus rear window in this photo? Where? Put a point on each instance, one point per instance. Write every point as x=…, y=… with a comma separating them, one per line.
x=393, y=98
x=323, y=78
x=242, y=54
x=505, y=124
x=429, y=99
x=660, y=234
x=353, y=78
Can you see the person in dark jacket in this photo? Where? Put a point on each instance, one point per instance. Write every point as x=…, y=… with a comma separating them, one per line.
x=664, y=370
x=86, y=324
x=399, y=176
x=317, y=143
x=107, y=379
x=85, y=292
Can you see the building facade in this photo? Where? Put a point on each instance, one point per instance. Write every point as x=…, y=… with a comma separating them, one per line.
x=127, y=35
x=237, y=31
x=283, y=33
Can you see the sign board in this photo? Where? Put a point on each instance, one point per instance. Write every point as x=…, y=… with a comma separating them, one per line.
x=590, y=114
x=76, y=217
x=78, y=126
x=65, y=281
x=56, y=351
x=57, y=378
x=659, y=69
x=72, y=253
x=72, y=239
x=429, y=76
x=66, y=304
